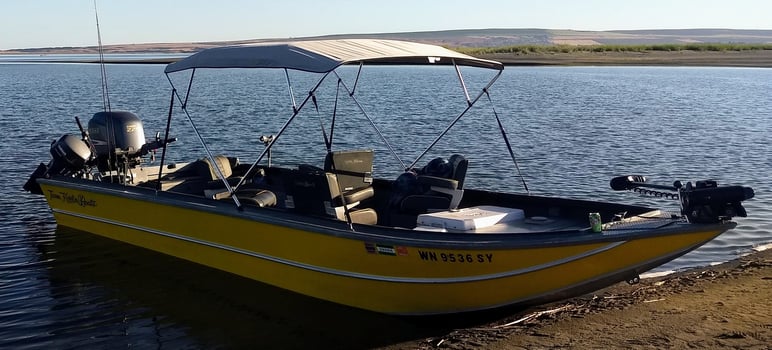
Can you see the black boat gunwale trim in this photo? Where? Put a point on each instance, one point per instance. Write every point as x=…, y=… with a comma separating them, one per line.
x=379, y=234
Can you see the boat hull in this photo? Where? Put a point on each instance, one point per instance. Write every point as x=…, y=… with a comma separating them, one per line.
x=395, y=271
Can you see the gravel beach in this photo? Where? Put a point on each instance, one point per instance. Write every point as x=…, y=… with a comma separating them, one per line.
x=723, y=306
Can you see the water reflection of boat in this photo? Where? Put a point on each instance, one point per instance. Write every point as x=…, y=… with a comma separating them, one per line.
x=420, y=244
x=164, y=300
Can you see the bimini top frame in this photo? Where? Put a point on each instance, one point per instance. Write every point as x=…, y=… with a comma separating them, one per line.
x=324, y=56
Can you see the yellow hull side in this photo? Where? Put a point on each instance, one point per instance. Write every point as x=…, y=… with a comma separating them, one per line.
x=356, y=272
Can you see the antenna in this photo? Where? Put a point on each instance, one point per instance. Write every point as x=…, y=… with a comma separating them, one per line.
x=105, y=92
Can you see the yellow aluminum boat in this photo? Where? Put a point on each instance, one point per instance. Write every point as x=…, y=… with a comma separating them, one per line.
x=419, y=244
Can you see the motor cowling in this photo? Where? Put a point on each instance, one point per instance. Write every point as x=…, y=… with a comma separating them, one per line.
x=69, y=156
x=113, y=134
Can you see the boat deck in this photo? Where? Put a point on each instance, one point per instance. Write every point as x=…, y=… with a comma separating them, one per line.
x=520, y=226
x=309, y=193
x=647, y=221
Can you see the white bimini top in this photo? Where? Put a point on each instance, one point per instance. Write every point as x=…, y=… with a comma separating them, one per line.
x=322, y=56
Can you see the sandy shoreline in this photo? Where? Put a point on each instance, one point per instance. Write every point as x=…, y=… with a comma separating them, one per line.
x=723, y=306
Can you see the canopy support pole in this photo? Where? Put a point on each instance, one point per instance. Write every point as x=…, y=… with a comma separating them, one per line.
x=291, y=93
x=267, y=149
x=166, y=140
x=356, y=80
x=461, y=80
x=470, y=103
x=506, y=141
x=190, y=86
x=201, y=138
x=361, y=109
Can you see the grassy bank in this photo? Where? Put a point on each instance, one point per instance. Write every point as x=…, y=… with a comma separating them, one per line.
x=718, y=55
x=692, y=54
x=567, y=49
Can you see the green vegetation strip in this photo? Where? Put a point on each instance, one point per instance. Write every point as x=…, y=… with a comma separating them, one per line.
x=549, y=49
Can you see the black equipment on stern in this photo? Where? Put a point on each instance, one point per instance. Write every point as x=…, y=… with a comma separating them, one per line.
x=115, y=141
x=703, y=202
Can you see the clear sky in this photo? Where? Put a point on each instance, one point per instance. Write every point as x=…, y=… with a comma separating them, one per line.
x=50, y=23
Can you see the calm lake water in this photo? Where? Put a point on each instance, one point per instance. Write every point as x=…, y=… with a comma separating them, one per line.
x=572, y=128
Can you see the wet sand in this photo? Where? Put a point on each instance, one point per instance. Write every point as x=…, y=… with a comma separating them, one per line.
x=723, y=306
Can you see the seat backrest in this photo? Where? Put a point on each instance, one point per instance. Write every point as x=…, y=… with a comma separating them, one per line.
x=316, y=192
x=415, y=194
x=204, y=169
x=460, y=164
x=353, y=169
x=220, y=161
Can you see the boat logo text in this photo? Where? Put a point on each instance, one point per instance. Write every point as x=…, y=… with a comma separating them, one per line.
x=70, y=198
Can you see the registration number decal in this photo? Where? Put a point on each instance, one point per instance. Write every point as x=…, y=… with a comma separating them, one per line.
x=448, y=257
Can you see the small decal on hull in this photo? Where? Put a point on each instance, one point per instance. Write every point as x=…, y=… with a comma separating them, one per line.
x=383, y=249
x=70, y=198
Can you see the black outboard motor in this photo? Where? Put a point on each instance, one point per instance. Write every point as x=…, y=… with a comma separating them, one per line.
x=115, y=141
x=69, y=156
x=118, y=137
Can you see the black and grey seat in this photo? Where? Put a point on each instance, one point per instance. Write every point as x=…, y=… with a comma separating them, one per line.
x=338, y=189
x=353, y=171
x=200, y=175
x=435, y=189
x=256, y=196
x=200, y=178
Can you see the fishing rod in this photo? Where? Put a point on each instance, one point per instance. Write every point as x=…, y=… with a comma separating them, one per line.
x=105, y=91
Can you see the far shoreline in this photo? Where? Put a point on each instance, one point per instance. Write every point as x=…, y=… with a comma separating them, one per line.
x=745, y=58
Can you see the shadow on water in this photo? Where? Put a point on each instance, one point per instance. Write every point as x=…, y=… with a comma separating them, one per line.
x=179, y=303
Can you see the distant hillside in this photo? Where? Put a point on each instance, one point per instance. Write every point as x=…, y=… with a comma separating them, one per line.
x=474, y=38
x=508, y=37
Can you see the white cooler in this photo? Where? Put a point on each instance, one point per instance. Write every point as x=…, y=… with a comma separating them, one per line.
x=469, y=218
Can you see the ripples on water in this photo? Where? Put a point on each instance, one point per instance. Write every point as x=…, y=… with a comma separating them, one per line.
x=572, y=129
